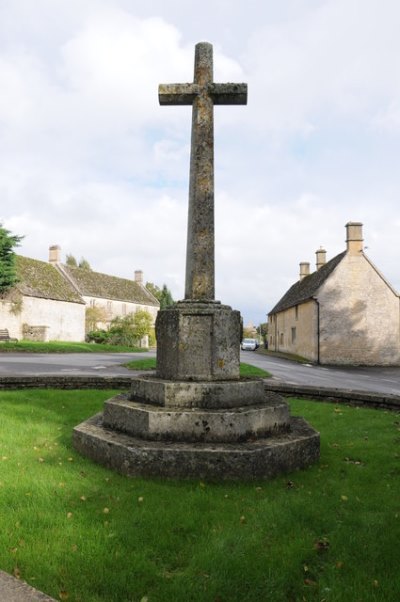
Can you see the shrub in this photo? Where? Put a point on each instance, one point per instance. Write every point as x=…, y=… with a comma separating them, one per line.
x=98, y=336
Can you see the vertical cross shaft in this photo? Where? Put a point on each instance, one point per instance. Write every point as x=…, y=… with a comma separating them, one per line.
x=202, y=94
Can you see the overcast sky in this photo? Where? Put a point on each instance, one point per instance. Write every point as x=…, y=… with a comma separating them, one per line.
x=90, y=161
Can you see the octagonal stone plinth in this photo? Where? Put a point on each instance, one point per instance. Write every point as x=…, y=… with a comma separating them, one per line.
x=206, y=433
x=198, y=341
x=184, y=394
x=260, y=459
x=193, y=424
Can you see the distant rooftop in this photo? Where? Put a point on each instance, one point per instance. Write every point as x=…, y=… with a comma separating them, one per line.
x=43, y=280
x=95, y=284
x=305, y=289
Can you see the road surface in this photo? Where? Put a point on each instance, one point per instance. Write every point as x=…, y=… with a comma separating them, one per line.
x=381, y=380
x=377, y=379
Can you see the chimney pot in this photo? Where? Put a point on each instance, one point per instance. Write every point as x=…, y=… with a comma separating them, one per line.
x=304, y=269
x=55, y=254
x=354, y=237
x=321, y=257
x=139, y=276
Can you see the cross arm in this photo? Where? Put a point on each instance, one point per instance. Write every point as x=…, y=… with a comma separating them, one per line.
x=177, y=94
x=228, y=94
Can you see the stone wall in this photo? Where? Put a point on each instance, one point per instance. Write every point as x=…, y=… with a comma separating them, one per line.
x=113, y=308
x=295, y=331
x=64, y=321
x=359, y=316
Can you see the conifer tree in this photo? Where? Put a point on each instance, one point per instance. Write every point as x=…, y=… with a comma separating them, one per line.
x=8, y=271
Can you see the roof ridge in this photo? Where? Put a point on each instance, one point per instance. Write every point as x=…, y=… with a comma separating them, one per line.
x=305, y=289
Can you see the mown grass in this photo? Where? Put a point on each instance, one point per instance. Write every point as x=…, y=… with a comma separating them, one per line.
x=246, y=370
x=64, y=347
x=85, y=534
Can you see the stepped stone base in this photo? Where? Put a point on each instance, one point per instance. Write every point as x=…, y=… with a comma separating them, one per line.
x=205, y=434
x=259, y=459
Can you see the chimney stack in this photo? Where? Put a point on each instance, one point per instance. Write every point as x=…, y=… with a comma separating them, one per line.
x=139, y=276
x=304, y=269
x=321, y=257
x=354, y=237
x=55, y=254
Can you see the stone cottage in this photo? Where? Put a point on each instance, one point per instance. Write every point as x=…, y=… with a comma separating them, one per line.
x=43, y=306
x=115, y=296
x=343, y=313
x=50, y=300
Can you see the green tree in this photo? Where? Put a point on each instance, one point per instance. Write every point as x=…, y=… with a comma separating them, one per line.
x=142, y=324
x=163, y=295
x=71, y=261
x=130, y=329
x=84, y=264
x=94, y=316
x=8, y=270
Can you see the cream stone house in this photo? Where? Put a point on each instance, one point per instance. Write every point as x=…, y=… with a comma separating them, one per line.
x=50, y=300
x=343, y=313
x=115, y=296
x=43, y=306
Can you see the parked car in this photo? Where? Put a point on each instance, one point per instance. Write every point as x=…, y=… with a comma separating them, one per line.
x=249, y=344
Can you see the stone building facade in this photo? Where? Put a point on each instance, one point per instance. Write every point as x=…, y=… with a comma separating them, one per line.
x=43, y=306
x=113, y=295
x=50, y=299
x=343, y=313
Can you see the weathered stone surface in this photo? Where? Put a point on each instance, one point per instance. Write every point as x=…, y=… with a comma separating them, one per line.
x=198, y=341
x=169, y=424
x=202, y=94
x=260, y=459
x=196, y=418
x=185, y=394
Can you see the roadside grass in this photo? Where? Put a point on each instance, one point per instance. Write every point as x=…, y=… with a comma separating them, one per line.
x=64, y=347
x=82, y=533
x=245, y=369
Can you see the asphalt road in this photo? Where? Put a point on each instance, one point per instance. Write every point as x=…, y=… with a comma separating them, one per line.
x=381, y=380
x=377, y=379
x=27, y=364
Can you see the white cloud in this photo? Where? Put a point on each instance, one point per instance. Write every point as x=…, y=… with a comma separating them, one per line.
x=91, y=161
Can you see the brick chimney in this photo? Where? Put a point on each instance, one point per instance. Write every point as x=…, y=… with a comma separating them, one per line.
x=354, y=237
x=139, y=276
x=304, y=269
x=321, y=258
x=55, y=254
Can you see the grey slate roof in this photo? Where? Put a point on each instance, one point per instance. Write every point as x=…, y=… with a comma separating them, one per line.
x=305, y=289
x=43, y=280
x=103, y=286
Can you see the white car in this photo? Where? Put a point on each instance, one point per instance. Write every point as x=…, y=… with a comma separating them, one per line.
x=249, y=345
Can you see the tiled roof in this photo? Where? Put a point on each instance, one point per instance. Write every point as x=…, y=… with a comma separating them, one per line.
x=305, y=289
x=94, y=284
x=43, y=280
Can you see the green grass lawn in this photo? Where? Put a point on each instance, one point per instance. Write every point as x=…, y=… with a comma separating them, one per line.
x=82, y=533
x=245, y=369
x=64, y=347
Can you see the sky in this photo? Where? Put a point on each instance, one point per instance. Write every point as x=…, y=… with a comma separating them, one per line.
x=90, y=161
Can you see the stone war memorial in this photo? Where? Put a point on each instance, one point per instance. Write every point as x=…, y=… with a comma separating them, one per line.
x=195, y=417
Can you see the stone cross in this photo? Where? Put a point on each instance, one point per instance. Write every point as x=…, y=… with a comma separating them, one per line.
x=202, y=94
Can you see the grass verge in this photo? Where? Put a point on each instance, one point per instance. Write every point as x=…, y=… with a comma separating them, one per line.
x=64, y=347
x=246, y=370
x=85, y=534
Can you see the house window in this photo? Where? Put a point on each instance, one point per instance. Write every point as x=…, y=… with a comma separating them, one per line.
x=296, y=312
x=294, y=335
x=281, y=339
